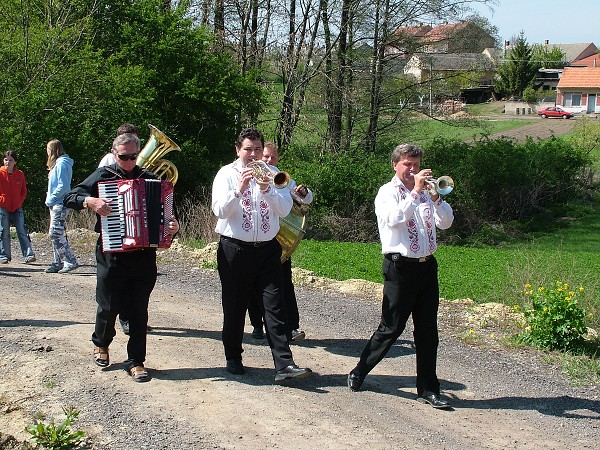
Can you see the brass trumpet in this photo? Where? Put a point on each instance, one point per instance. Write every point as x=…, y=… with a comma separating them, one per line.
x=443, y=185
x=263, y=173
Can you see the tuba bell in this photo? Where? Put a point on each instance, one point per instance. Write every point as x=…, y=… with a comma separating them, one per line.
x=158, y=145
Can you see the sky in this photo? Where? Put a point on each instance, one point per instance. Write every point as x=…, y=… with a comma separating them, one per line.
x=558, y=21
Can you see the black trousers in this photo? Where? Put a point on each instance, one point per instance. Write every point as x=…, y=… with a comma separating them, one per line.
x=409, y=288
x=124, y=279
x=245, y=270
x=292, y=316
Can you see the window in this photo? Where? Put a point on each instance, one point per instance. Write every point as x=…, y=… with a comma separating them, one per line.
x=572, y=99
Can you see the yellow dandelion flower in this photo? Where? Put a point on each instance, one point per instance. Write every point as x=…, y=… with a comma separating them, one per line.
x=571, y=294
x=516, y=307
x=581, y=289
x=567, y=299
x=491, y=335
x=541, y=289
x=545, y=309
x=471, y=331
x=527, y=286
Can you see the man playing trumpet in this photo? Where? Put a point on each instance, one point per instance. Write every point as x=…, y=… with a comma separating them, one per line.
x=249, y=255
x=407, y=217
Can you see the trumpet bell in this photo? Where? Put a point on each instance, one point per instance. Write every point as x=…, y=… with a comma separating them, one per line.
x=264, y=173
x=444, y=185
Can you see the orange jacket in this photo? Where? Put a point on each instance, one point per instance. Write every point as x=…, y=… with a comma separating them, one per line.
x=13, y=189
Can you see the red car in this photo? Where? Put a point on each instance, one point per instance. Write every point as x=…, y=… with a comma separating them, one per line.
x=554, y=111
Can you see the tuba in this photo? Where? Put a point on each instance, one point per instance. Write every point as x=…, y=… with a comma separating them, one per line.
x=292, y=227
x=158, y=145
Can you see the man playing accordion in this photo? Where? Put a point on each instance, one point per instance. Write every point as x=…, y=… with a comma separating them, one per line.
x=127, y=275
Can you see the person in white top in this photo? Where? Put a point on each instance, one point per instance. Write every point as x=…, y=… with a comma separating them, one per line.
x=248, y=255
x=407, y=217
x=292, y=321
x=109, y=158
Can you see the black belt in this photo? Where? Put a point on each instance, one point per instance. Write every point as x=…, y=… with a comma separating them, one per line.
x=398, y=257
x=245, y=243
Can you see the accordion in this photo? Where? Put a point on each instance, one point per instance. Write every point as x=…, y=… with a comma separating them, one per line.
x=141, y=208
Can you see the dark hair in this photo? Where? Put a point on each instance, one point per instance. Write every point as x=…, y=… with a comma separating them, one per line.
x=126, y=139
x=128, y=128
x=249, y=133
x=11, y=153
x=406, y=150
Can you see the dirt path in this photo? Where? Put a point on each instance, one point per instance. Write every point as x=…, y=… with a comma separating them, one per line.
x=538, y=129
x=501, y=399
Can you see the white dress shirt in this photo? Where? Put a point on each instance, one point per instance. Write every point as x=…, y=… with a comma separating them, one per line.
x=407, y=221
x=251, y=216
x=107, y=160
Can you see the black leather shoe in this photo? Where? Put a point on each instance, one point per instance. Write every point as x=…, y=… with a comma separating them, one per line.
x=434, y=400
x=125, y=326
x=292, y=371
x=258, y=333
x=355, y=381
x=235, y=367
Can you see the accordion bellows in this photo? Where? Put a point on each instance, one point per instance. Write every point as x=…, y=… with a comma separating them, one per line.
x=141, y=208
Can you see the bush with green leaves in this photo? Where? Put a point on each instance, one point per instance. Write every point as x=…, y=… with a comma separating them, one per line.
x=59, y=437
x=555, y=321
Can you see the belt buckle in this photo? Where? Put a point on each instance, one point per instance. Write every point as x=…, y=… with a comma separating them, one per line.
x=423, y=259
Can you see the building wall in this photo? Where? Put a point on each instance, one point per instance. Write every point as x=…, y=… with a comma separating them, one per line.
x=563, y=95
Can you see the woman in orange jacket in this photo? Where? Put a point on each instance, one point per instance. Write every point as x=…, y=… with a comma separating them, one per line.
x=13, y=190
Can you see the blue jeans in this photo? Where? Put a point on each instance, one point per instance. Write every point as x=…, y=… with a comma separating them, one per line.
x=58, y=236
x=18, y=218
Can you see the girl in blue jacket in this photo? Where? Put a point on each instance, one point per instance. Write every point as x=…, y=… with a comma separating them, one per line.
x=59, y=184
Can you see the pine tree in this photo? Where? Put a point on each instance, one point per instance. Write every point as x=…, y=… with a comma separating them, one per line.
x=518, y=70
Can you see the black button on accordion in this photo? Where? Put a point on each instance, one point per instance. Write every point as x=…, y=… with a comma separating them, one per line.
x=141, y=209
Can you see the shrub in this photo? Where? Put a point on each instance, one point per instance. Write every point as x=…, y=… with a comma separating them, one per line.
x=59, y=437
x=554, y=319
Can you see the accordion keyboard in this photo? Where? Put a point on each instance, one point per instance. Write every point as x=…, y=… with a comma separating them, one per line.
x=112, y=226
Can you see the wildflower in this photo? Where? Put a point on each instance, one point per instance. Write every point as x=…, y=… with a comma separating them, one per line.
x=527, y=286
x=471, y=331
x=516, y=308
x=581, y=289
x=491, y=335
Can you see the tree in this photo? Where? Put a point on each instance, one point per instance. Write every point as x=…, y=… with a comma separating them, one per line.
x=542, y=57
x=517, y=71
x=76, y=70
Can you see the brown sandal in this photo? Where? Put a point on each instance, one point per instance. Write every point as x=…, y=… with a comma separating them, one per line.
x=101, y=356
x=139, y=374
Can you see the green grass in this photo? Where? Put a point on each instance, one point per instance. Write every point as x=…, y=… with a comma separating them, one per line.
x=423, y=131
x=570, y=254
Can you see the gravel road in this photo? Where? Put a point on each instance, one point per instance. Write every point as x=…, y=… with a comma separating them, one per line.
x=501, y=398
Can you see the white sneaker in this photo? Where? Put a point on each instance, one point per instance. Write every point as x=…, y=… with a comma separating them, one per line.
x=3, y=261
x=68, y=267
x=30, y=259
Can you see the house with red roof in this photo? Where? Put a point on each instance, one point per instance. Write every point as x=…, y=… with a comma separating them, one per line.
x=578, y=89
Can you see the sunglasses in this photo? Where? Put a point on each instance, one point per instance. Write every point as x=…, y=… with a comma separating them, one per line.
x=130, y=157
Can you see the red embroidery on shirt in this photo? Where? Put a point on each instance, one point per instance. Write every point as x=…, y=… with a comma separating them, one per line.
x=265, y=225
x=246, y=211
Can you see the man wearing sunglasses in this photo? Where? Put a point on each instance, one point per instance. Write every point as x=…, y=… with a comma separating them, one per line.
x=122, y=278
